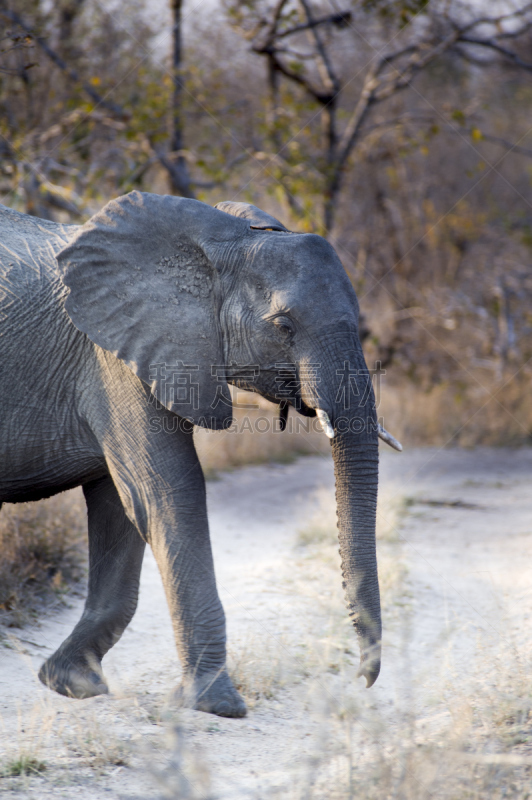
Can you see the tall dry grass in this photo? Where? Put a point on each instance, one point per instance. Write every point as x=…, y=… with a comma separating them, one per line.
x=42, y=554
x=443, y=735
x=446, y=735
x=256, y=438
x=473, y=741
x=484, y=411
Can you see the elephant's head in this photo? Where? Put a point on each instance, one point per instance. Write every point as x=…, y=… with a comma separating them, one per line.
x=193, y=297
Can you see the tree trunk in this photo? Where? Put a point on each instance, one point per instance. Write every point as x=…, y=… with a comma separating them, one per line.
x=177, y=165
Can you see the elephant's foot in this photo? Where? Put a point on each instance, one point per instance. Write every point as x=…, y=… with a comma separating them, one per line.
x=73, y=679
x=212, y=692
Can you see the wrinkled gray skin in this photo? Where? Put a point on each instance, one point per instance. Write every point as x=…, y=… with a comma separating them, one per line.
x=86, y=312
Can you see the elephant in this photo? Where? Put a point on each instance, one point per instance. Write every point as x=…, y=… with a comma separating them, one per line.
x=112, y=330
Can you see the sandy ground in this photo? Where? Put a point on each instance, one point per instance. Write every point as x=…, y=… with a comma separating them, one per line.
x=455, y=555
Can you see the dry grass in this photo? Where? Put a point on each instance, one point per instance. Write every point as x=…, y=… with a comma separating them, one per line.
x=320, y=536
x=444, y=734
x=265, y=665
x=74, y=743
x=321, y=527
x=472, y=744
x=23, y=749
x=183, y=772
x=42, y=554
x=94, y=742
x=255, y=437
x=261, y=668
x=465, y=737
x=485, y=411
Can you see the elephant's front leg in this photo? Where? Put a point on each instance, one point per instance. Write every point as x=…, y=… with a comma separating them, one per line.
x=168, y=503
x=185, y=561
x=116, y=550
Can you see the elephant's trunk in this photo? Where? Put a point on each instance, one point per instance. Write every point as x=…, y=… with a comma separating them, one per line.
x=356, y=471
x=356, y=458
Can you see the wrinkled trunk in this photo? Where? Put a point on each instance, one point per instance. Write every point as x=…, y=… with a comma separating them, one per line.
x=347, y=397
x=356, y=470
x=356, y=465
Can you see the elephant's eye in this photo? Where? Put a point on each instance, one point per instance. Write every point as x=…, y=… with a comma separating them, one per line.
x=284, y=326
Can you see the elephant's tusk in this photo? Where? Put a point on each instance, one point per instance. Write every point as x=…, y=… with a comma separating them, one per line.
x=389, y=439
x=325, y=423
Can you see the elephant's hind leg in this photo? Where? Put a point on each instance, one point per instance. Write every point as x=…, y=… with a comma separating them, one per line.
x=116, y=550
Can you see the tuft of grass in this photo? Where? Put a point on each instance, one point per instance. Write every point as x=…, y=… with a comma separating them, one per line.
x=315, y=533
x=23, y=765
x=42, y=554
x=101, y=750
x=321, y=527
x=260, y=669
x=95, y=742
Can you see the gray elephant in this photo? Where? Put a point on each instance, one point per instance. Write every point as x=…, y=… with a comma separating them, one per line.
x=112, y=330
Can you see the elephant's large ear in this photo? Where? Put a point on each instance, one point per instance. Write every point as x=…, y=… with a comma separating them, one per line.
x=143, y=287
x=257, y=219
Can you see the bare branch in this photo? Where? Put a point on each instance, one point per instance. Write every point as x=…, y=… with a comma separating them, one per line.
x=50, y=193
x=341, y=20
x=180, y=180
x=492, y=44
x=512, y=148
x=514, y=34
x=488, y=137
x=367, y=98
x=288, y=51
x=265, y=44
x=269, y=33
x=296, y=77
x=496, y=21
x=327, y=72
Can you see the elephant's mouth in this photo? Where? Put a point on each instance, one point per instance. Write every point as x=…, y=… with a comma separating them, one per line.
x=279, y=386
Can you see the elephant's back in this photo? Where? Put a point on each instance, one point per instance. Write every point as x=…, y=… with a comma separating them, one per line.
x=28, y=269
x=44, y=362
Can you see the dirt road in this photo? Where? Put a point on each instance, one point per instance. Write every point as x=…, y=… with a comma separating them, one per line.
x=455, y=554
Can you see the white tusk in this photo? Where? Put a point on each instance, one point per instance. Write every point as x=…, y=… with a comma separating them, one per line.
x=325, y=423
x=389, y=439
